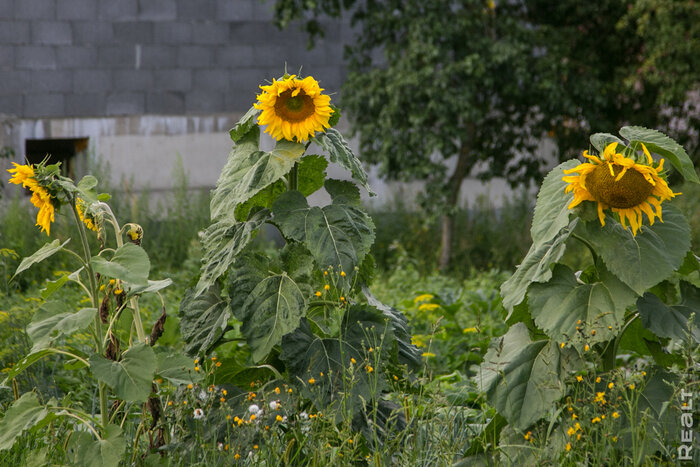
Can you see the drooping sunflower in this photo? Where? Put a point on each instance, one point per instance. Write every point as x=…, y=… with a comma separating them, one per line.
x=87, y=219
x=293, y=108
x=621, y=184
x=24, y=175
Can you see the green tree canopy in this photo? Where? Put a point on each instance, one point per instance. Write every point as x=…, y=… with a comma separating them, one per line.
x=438, y=90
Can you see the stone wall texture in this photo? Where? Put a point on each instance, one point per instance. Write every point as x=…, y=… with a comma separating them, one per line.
x=96, y=58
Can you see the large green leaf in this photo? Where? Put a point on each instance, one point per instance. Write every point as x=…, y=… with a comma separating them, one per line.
x=337, y=235
x=328, y=360
x=40, y=255
x=249, y=170
x=311, y=174
x=661, y=144
x=672, y=321
x=341, y=153
x=85, y=451
x=22, y=415
x=53, y=320
x=176, y=368
x=25, y=363
x=150, y=287
x=535, y=267
x=551, y=211
x=132, y=376
x=644, y=260
x=564, y=304
x=407, y=353
x=203, y=319
x=244, y=125
x=53, y=286
x=523, y=378
x=272, y=309
x=601, y=140
x=222, y=242
x=130, y=263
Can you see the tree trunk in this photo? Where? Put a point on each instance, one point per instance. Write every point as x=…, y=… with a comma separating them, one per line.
x=464, y=166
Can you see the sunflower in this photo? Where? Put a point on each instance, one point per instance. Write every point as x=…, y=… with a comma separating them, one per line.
x=619, y=183
x=24, y=175
x=293, y=108
x=88, y=220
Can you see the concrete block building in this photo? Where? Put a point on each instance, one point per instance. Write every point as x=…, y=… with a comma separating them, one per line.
x=141, y=83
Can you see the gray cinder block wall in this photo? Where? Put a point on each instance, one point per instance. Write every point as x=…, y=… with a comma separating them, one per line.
x=94, y=58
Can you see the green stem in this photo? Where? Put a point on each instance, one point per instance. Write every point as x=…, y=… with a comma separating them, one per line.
x=293, y=178
x=610, y=353
x=95, y=304
x=588, y=245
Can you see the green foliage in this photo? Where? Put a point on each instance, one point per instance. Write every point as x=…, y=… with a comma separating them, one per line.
x=24, y=414
x=41, y=254
x=635, y=292
x=54, y=320
x=130, y=263
x=107, y=452
x=130, y=377
x=203, y=319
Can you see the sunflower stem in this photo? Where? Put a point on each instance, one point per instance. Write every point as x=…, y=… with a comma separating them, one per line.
x=293, y=178
x=95, y=304
x=588, y=245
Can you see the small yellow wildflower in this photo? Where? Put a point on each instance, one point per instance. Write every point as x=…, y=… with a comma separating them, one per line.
x=599, y=397
x=568, y=446
x=170, y=403
x=252, y=417
x=278, y=418
x=428, y=306
x=426, y=297
x=222, y=399
x=369, y=369
x=327, y=287
x=562, y=345
x=184, y=402
x=228, y=417
x=469, y=330
x=196, y=368
x=255, y=446
x=218, y=364
x=277, y=390
x=237, y=456
x=118, y=291
x=610, y=385
x=213, y=359
x=342, y=273
x=614, y=438
x=586, y=348
x=350, y=441
x=289, y=390
x=352, y=360
x=579, y=378
x=528, y=436
x=574, y=416
x=312, y=380
x=595, y=420
x=615, y=415
x=189, y=386
x=632, y=386
x=427, y=354
x=111, y=282
x=318, y=293
x=571, y=431
x=597, y=380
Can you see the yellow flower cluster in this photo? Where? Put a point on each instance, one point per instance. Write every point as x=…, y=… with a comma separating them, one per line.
x=24, y=175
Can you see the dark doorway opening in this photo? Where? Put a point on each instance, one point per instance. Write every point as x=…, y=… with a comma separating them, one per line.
x=63, y=150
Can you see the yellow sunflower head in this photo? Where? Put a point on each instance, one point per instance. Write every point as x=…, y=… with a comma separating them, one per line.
x=24, y=175
x=619, y=183
x=88, y=220
x=293, y=108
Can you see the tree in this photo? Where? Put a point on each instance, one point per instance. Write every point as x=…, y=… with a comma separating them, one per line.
x=470, y=87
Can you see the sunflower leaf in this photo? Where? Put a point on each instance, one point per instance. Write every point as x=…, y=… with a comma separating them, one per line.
x=551, y=211
x=522, y=378
x=22, y=415
x=672, y=321
x=222, y=242
x=569, y=311
x=244, y=125
x=272, y=309
x=659, y=143
x=53, y=320
x=130, y=263
x=40, y=255
x=203, y=319
x=341, y=153
x=535, y=267
x=249, y=170
x=337, y=235
x=132, y=376
x=644, y=260
x=600, y=140
x=86, y=451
